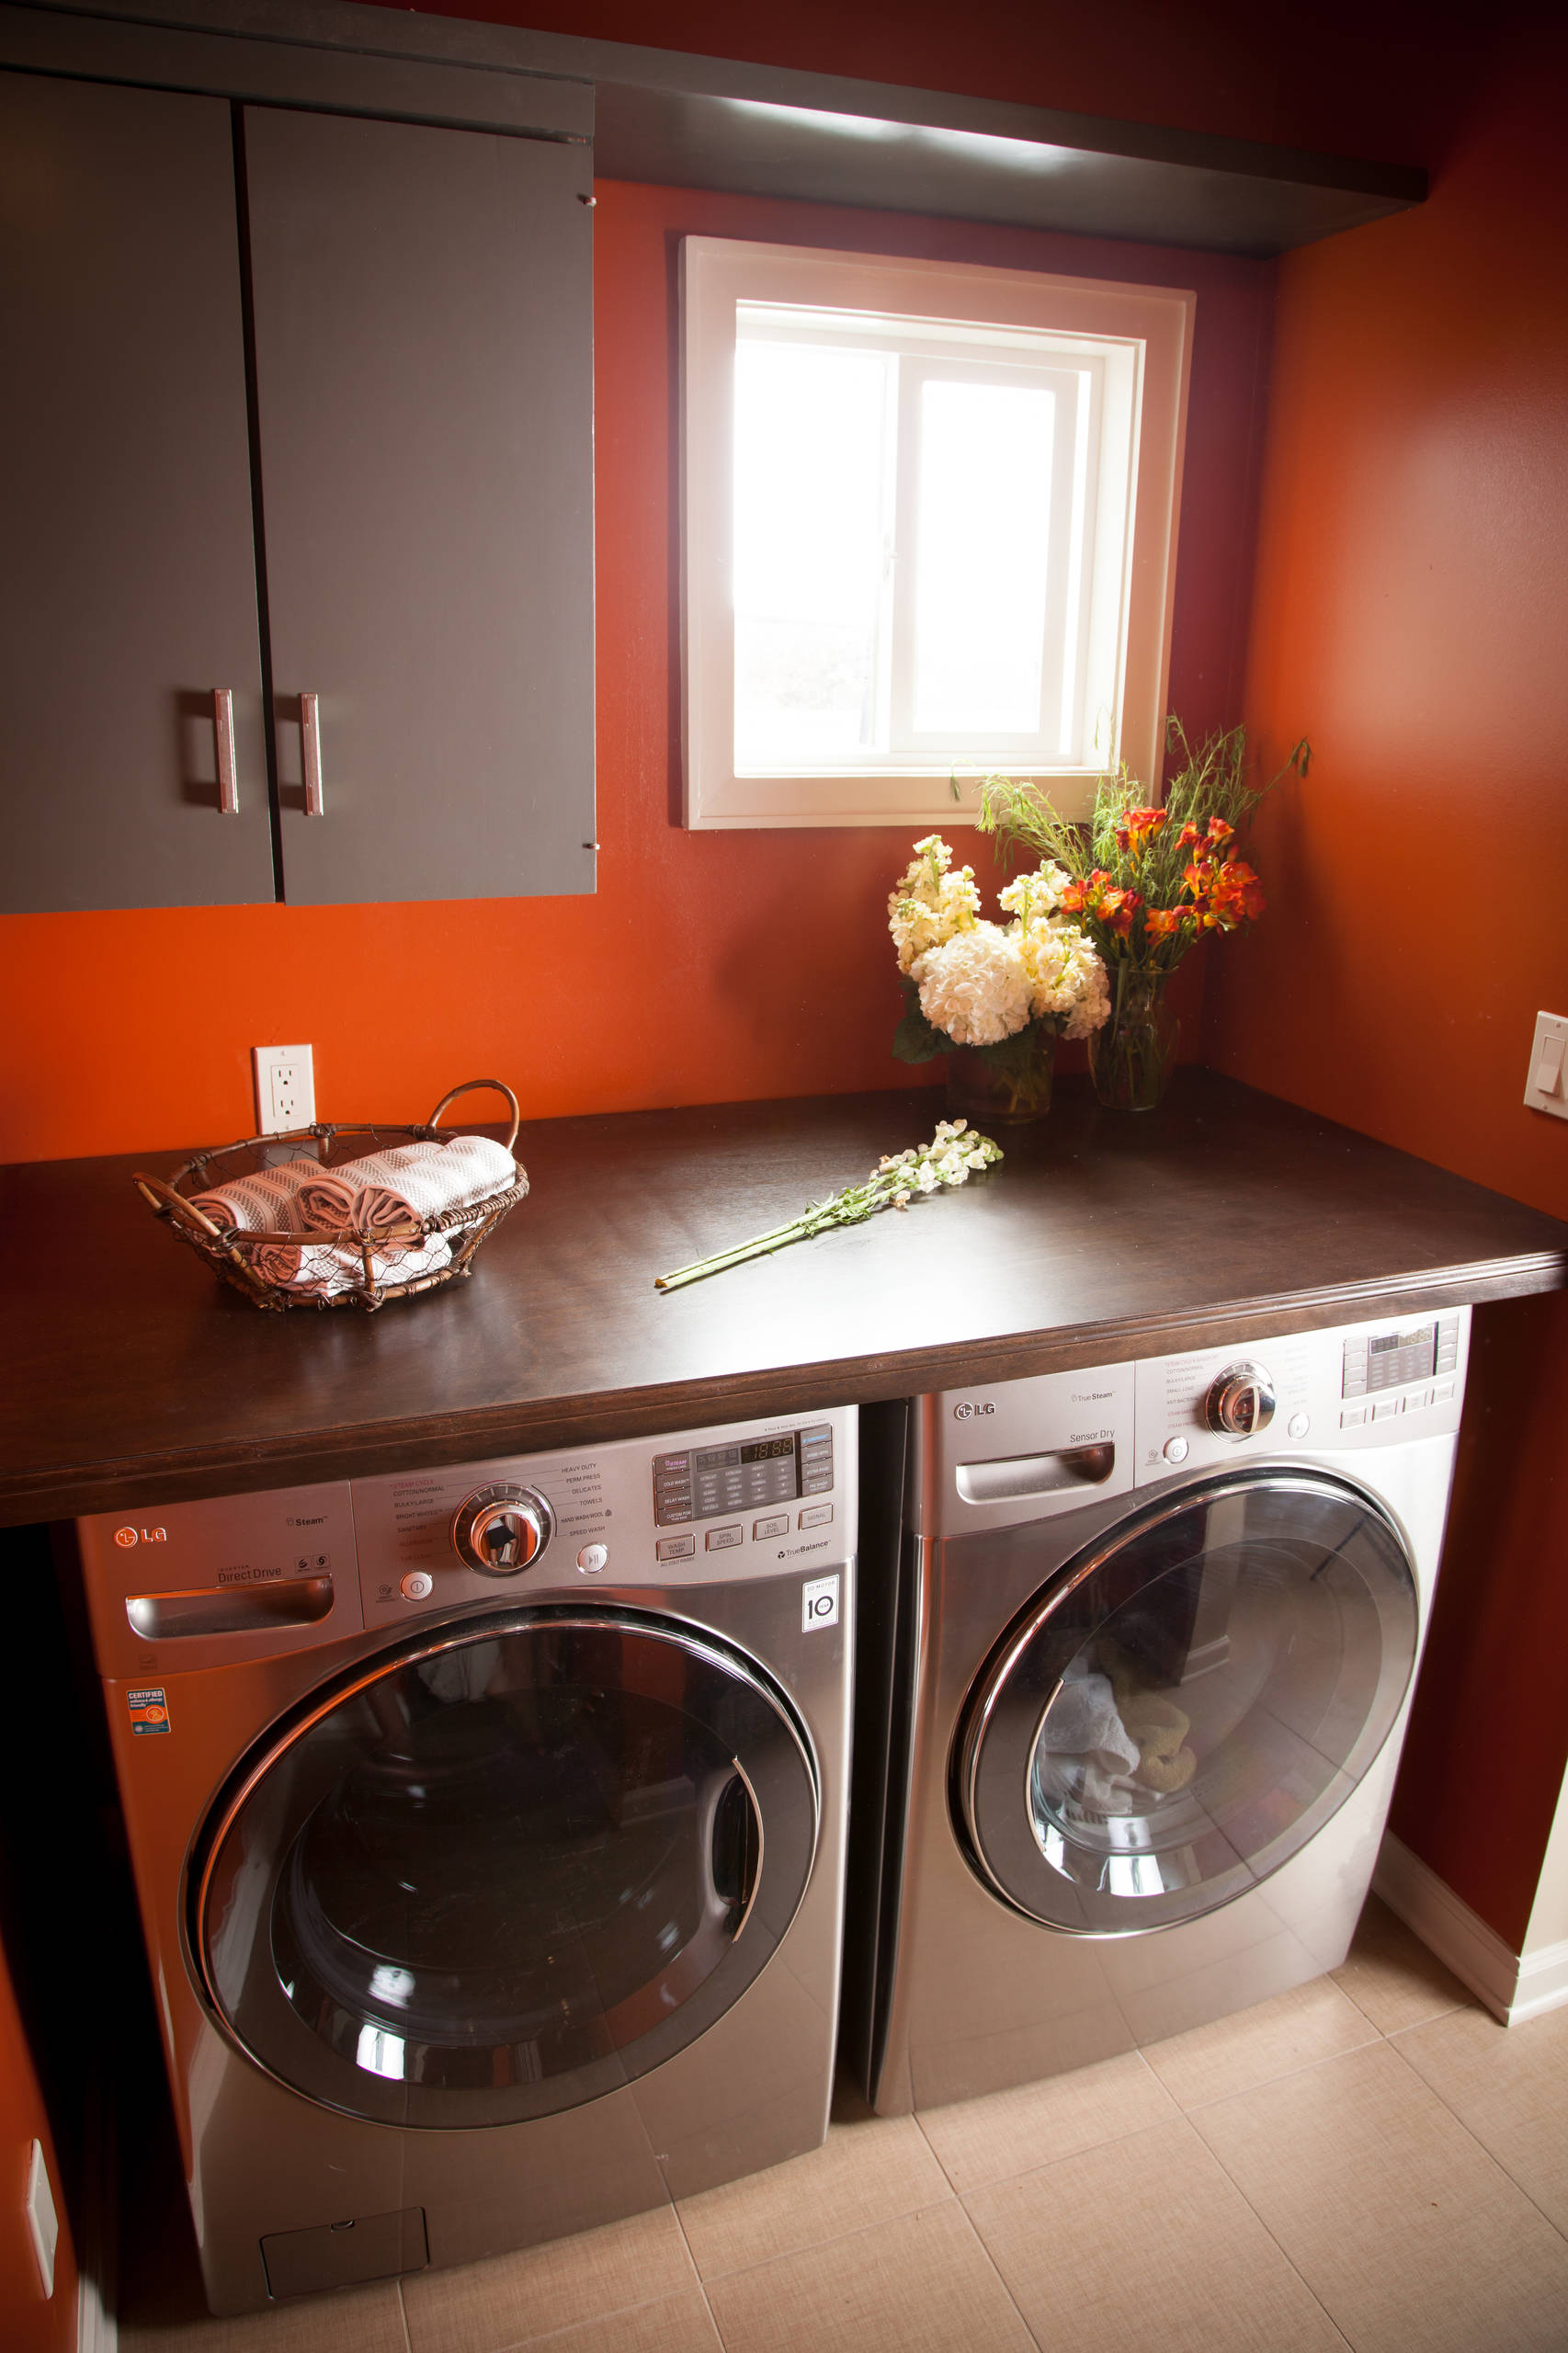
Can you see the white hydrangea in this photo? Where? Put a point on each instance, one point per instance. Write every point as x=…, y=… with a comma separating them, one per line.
x=973, y=986
x=930, y=903
x=1067, y=981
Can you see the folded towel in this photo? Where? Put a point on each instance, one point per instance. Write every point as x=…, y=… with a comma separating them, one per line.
x=386, y=1191
x=323, y=1270
x=269, y=1202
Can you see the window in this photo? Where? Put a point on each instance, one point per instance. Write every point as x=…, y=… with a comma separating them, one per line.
x=929, y=523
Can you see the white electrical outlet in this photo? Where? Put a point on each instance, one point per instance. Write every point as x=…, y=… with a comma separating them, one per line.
x=1546, y=1088
x=285, y=1089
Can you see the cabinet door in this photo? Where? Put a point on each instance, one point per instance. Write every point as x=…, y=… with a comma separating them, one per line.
x=423, y=323
x=128, y=577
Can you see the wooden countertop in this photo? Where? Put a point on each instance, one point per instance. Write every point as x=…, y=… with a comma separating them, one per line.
x=134, y=1377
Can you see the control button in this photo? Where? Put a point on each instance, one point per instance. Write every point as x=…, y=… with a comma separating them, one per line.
x=676, y=1548
x=1175, y=1450
x=1442, y=1393
x=1353, y=1417
x=778, y=1526
x=592, y=1558
x=818, y=1516
x=1299, y=1424
x=718, y=1540
x=417, y=1586
x=1385, y=1408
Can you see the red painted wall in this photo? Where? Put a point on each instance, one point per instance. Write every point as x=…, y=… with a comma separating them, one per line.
x=28, y=2321
x=1411, y=614
x=709, y=966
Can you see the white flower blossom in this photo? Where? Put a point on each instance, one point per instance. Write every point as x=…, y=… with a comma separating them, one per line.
x=930, y=903
x=1067, y=981
x=1033, y=897
x=974, y=987
x=927, y=1178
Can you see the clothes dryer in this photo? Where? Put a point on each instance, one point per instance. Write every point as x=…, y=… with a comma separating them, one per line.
x=1160, y=1623
x=487, y=1824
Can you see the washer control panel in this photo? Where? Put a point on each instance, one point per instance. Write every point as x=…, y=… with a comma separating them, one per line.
x=198, y=1584
x=722, y=1503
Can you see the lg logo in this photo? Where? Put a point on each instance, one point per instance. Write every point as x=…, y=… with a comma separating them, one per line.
x=127, y=1537
x=965, y=1412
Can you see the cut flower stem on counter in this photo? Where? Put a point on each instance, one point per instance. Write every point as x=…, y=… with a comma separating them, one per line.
x=898, y=1178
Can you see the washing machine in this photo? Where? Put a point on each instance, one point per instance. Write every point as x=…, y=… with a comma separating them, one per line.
x=1158, y=1627
x=487, y=1824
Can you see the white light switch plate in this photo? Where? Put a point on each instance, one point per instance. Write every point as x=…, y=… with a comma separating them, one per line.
x=1546, y=1088
x=43, y=2223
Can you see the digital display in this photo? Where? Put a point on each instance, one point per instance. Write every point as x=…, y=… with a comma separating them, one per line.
x=754, y=1474
x=1424, y=1334
x=1383, y=1360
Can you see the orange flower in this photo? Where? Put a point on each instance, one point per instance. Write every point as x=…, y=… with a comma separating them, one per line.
x=1237, y=896
x=1163, y=923
x=1220, y=833
x=1197, y=875
x=1142, y=824
x=1116, y=909
x=1188, y=835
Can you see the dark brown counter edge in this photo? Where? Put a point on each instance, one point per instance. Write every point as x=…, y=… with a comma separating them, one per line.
x=436, y=1438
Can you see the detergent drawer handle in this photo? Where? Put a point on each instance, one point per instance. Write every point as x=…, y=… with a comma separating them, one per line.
x=230, y=1608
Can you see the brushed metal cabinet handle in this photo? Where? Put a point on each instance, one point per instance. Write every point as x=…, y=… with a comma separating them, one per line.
x=310, y=730
x=224, y=727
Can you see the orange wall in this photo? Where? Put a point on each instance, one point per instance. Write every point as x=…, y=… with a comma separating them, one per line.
x=709, y=966
x=28, y=2323
x=1410, y=615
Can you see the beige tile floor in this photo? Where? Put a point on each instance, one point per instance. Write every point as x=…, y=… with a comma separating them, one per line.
x=1368, y=2161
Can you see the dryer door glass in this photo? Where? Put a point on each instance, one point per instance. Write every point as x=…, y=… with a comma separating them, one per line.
x=1184, y=1706
x=500, y=1872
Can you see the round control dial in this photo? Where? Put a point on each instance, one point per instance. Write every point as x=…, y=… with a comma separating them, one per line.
x=500, y=1531
x=1240, y=1402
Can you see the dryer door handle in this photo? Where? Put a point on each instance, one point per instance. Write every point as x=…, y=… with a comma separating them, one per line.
x=1019, y=1476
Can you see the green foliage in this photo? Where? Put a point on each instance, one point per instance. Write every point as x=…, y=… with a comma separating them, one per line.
x=1209, y=782
x=914, y=1040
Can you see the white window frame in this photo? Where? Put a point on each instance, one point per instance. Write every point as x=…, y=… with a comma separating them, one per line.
x=1142, y=333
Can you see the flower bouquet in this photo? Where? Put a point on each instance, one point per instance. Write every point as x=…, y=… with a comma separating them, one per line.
x=995, y=997
x=1146, y=883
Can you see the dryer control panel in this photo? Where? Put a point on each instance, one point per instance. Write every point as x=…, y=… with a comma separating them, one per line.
x=1339, y=1390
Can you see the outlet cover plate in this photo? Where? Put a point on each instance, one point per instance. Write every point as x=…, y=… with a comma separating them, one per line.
x=1546, y=1088
x=285, y=1089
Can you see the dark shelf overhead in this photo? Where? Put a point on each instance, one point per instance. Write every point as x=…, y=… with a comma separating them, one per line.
x=688, y=121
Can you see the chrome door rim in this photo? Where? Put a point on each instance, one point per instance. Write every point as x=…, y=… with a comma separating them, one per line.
x=986, y=1689
x=715, y=1651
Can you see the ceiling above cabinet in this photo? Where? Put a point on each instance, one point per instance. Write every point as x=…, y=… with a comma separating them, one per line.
x=658, y=115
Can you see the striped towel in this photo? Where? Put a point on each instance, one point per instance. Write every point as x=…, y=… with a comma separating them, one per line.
x=269, y=1202
x=387, y=1191
x=323, y=1270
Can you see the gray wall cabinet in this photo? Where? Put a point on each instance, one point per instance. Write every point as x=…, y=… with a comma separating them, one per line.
x=389, y=525
x=128, y=588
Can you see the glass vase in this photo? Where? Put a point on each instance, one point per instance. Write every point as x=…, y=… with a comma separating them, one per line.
x=1131, y=1058
x=1005, y=1084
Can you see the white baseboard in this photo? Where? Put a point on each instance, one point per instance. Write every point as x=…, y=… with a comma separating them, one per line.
x=1513, y=1988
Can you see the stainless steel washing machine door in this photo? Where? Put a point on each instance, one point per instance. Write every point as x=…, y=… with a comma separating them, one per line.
x=501, y=1869
x=1186, y=1703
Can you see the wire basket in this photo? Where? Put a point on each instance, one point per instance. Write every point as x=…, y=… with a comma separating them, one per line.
x=346, y=1268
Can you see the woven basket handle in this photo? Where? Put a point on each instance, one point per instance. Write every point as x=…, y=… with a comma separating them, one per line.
x=472, y=1086
x=159, y=1195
